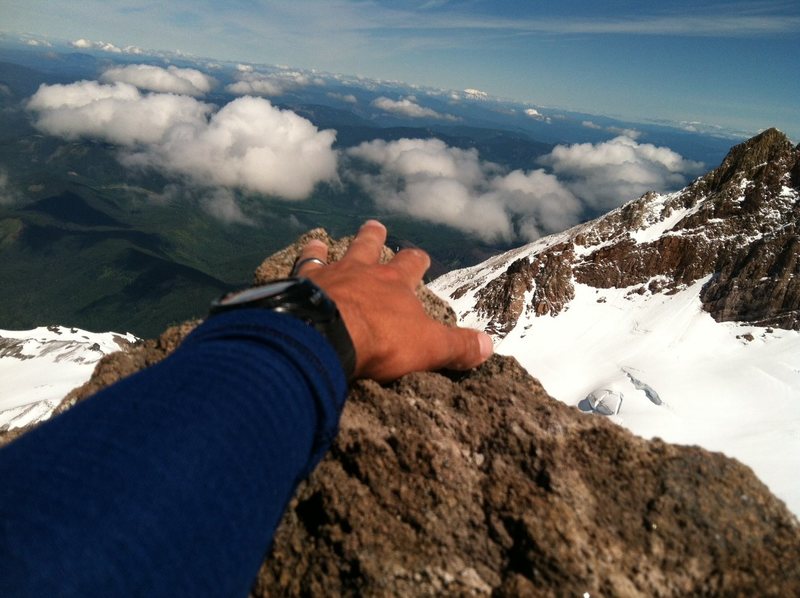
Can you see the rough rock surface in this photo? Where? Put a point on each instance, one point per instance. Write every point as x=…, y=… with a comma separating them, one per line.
x=739, y=223
x=479, y=483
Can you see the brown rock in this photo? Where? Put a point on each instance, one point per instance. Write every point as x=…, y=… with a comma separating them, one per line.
x=548, y=275
x=480, y=483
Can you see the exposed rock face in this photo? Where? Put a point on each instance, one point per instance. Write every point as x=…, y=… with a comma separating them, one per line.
x=738, y=223
x=547, y=276
x=480, y=484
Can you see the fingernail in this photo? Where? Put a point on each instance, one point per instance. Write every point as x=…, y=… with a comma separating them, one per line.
x=373, y=222
x=316, y=242
x=486, y=344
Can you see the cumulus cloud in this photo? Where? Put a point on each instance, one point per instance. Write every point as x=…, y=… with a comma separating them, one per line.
x=630, y=133
x=408, y=107
x=164, y=80
x=606, y=175
x=85, y=44
x=270, y=84
x=117, y=113
x=536, y=115
x=38, y=42
x=432, y=181
x=347, y=98
x=248, y=144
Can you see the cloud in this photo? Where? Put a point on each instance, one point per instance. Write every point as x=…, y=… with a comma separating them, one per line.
x=8, y=194
x=248, y=144
x=606, y=175
x=117, y=113
x=347, y=98
x=630, y=133
x=536, y=115
x=408, y=107
x=85, y=44
x=38, y=42
x=221, y=204
x=432, y=181
x=270, y=84
x=165, y=80
x=429, y=180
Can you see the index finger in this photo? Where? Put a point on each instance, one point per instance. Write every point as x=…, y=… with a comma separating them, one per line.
x=367, y=244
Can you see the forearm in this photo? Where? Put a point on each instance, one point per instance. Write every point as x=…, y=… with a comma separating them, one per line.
x=172, y=481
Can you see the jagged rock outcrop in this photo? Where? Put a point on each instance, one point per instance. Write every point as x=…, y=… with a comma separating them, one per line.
x=479, y=483
x=739, y=223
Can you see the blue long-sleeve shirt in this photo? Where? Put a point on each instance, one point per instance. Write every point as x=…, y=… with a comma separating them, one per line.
x=172, y=481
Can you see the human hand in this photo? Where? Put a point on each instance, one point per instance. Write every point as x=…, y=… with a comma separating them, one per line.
x=390, y=330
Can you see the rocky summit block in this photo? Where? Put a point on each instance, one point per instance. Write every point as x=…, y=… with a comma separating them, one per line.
x=479, y=483
x=482, y=484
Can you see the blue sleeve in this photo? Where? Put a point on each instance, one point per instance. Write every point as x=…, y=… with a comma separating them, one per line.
x=172, y=481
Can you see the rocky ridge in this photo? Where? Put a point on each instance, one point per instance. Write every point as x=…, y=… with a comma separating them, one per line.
x=479, y=483
x=738, y=224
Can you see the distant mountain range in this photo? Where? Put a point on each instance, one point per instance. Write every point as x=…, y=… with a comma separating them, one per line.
x=677, y=314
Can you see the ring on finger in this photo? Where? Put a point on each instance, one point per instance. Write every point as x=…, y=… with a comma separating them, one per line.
x=309, y=260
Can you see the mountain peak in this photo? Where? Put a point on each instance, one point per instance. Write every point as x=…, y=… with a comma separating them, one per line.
x=748, y=159
x=737, y=225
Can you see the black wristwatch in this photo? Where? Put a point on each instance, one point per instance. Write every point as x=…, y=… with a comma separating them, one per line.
x=302, y=299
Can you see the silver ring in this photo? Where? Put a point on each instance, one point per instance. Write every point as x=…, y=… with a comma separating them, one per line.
x=300, y=263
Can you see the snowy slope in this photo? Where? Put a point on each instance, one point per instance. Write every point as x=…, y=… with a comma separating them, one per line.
x=716, y=388
x=614, y=316
x=39, y=367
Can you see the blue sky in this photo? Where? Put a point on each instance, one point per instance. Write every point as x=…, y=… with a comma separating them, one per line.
x=732, y=64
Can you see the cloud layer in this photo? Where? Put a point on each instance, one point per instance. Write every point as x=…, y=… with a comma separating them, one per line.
x=605, y=175
x=432, y=181
x=408, y=107
x=172, y=79
x=248, y=144
x=86, y=44
x=251, y=145
x=269, y=84
x=429, y=180
x=116, y=113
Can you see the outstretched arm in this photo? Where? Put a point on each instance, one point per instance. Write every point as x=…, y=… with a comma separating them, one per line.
x=172, y=481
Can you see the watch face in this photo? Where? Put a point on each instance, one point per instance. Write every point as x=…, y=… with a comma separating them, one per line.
x=256, y=293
